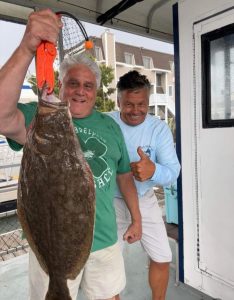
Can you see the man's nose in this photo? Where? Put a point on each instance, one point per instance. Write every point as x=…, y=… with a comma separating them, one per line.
x=135, y=109
x=80, y=90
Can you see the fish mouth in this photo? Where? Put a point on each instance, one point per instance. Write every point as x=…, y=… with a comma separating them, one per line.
x=47, y=97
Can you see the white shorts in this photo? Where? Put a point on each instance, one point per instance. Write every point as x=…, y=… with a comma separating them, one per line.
x=103, y=276
x=154, y=236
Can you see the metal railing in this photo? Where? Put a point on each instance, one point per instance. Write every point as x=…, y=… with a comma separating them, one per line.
x=11, y=240
x=9, y=171
x=12, y=243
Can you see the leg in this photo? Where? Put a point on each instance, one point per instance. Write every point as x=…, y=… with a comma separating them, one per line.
x=123, y=219
x=158, y=279
x=38, y=279
x=104, y=274
x=156, y=244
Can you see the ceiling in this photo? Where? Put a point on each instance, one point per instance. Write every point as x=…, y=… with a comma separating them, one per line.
x=150, y=18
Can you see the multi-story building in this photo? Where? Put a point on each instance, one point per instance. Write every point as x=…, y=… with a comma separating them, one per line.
x=157, y=66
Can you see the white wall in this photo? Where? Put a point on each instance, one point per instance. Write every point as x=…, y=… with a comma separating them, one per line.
x=201, y=168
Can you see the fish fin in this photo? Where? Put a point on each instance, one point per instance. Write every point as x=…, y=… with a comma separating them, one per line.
x=58, y=289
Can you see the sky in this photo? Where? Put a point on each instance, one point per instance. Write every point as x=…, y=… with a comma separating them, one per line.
x=12, y=34
x=131, y=39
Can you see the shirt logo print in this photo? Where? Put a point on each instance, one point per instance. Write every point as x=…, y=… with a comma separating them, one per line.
x=147, y=150
x=94, y=154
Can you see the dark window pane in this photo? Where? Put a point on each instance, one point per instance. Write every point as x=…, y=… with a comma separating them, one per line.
x=218, y=77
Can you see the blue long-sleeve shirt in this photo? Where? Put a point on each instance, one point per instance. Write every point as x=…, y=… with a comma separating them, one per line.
x=155, y=138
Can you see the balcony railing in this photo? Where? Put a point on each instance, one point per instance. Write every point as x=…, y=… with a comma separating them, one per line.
x=162, y=99
x=158, y=99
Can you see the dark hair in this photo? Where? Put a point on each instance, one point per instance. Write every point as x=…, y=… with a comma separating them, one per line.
x=132, y=80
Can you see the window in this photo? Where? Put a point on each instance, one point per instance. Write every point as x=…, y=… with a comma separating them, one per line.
x=151, y=110
x=147, y=62
x=129, y=58
x=170, y=90
x=171, y=65
x=161, y=112
x=159, y=87
x=159, y=79
x=218, y=77
x=98, y=53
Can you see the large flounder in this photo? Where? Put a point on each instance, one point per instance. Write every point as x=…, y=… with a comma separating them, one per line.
x=56, y=197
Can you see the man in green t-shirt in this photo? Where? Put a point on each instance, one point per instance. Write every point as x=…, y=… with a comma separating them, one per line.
x=103, y=145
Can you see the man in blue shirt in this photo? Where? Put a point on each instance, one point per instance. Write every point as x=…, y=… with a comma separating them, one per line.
x=153, y=162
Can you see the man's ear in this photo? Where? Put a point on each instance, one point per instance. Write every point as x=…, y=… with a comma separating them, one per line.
x=59, y=84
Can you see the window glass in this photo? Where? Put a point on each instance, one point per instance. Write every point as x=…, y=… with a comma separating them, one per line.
x=128, y=58
x=147, y=62
x=98, y=53
x=159, y=79
x=161, y=112
x=170, y=90
x=159, y=84
x=151, y=110
x=222, y=78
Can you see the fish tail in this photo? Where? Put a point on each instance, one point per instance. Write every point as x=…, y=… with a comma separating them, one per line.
x=58, y=289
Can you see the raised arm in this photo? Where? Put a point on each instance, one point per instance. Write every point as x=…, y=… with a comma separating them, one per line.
x=129, y=192
x=164, y=168
x=42, y=25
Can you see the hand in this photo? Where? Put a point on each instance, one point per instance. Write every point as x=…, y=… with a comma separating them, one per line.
x=42, y=25
x=133, y=233
x=144, y=168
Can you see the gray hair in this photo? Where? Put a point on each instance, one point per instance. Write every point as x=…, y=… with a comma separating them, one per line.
x=83, y=59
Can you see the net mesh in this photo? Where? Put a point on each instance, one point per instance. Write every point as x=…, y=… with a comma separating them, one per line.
x=72, y=37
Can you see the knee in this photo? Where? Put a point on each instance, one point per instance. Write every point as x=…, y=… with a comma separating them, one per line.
x=160, y=266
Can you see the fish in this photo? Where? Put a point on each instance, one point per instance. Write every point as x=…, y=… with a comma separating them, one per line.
x=56, y=196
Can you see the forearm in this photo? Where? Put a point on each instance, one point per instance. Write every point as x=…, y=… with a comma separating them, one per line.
x=166, y=174
x=129, y=192
x=166, y=161
x=12, y=76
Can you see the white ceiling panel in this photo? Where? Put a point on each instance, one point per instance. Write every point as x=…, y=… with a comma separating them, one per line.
x=150, y=18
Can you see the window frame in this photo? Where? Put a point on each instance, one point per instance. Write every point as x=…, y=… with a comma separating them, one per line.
x=206, y=39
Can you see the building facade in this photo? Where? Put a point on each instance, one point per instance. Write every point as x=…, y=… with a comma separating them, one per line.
x=157, y=66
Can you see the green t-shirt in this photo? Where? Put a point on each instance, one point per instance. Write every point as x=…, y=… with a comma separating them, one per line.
x=104, y=148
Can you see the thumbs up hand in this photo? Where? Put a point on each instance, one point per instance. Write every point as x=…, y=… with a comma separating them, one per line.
x=144, y=168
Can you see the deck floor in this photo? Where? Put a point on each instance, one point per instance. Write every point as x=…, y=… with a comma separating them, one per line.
x=14, y=265
x=14, y=279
